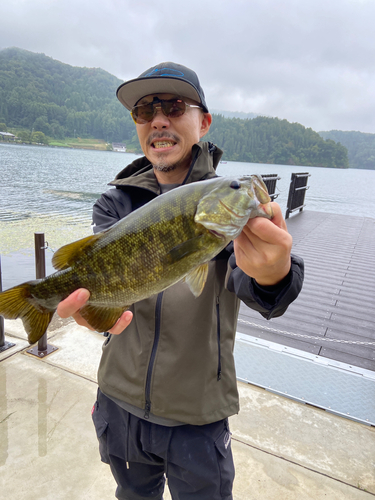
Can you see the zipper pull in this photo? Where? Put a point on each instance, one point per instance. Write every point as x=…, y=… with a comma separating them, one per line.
x=147, y=410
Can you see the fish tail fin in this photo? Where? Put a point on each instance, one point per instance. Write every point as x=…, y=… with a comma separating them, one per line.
x=18, y=302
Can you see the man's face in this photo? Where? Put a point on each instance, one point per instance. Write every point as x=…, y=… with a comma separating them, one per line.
x=167, y=142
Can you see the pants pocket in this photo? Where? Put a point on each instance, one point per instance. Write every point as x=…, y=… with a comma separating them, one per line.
x=225, y=462
x=101, y=427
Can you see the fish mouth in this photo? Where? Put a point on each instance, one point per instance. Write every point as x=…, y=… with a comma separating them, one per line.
x=217, y=234
x=267, y=209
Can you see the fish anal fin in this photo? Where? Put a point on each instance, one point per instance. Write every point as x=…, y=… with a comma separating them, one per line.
x=197, y=278
x=36, y=324
x=101, y=318
x=66, y=255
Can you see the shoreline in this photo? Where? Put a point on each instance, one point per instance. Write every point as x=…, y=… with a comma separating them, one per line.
x=88, y=147
x=133, y=152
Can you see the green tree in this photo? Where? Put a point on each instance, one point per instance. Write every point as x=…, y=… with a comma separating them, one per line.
x=39, y=138
x=24, y=135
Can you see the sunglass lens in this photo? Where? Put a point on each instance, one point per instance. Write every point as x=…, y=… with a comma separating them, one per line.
x=143, y=114
x=173, y=109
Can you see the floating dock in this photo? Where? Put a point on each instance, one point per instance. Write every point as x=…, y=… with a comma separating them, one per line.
x=322, y=350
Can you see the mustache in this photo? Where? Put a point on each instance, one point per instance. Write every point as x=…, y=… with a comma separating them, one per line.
x=161, y=135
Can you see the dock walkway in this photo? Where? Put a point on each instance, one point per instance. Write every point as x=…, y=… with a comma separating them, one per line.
x=283, y=450
x=338, y=297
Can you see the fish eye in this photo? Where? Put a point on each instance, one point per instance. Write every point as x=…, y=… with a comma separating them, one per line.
x=235, y=185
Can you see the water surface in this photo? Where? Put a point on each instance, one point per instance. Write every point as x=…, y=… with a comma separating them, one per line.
x=52, y=190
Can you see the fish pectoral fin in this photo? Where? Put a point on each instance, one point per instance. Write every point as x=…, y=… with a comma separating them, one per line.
x=184, y=249
x=101, y=319
x=197, y=278
x=66, y=255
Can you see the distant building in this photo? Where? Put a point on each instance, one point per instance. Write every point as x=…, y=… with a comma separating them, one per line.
x=7, y=135
x=119, y=147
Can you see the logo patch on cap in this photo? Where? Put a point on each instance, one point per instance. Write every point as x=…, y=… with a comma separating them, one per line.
x=165, y=72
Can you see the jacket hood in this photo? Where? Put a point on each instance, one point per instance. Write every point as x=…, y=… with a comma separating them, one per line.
x=140, y=173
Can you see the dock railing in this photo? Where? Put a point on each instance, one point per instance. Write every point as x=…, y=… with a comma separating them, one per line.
x=297, y=192
x=41, y=349
x=270, y=181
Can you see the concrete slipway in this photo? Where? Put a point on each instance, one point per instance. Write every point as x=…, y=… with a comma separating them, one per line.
x=283, y=449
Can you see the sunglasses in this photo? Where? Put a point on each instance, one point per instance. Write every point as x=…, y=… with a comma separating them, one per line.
x=171, y=108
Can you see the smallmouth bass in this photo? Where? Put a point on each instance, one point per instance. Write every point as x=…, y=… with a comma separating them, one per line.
x=171, y=238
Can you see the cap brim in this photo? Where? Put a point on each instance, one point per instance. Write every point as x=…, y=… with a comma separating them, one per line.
x=130, y=92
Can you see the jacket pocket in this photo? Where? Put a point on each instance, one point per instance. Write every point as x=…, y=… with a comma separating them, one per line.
x=101, y=427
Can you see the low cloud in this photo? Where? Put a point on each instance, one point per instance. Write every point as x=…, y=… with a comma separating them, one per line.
x=309, y=62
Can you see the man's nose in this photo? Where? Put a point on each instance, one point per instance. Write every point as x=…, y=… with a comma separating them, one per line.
x=159, y=120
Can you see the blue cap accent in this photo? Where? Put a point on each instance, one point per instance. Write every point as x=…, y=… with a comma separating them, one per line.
x=165, y=72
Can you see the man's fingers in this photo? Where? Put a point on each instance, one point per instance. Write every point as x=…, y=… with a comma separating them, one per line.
x=270, y=231
x=71, y=305
x=278, y=218
x=122, y=323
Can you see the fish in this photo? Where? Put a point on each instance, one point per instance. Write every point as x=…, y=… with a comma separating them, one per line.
x=171, y=238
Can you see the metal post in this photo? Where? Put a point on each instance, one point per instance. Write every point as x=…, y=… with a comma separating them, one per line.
x=40, y=272
x=4, y=345
x=43, y=348
x=290, y=196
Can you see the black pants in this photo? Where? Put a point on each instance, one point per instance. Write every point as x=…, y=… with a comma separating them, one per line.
x=197, y=460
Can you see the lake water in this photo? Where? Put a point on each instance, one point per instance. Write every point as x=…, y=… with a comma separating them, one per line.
x=52, y=190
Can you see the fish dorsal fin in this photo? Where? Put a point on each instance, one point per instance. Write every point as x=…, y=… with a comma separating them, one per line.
x=101, y=318
x=66, y=255
x=197, y=278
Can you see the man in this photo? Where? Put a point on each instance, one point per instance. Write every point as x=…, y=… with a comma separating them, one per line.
x=167, y=381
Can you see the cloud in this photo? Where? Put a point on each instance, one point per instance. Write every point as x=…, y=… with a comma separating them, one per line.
x=308, y=61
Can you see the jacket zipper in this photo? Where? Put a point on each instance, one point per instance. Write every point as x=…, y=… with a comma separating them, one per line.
x=153, y=355
x=218, y=338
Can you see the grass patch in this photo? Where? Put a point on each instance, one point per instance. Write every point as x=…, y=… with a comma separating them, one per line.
x=78, y=142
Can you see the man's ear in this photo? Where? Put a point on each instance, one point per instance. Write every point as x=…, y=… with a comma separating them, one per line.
x=205, y=125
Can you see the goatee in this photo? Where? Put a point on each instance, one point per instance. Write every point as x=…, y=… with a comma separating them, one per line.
x=162, y=166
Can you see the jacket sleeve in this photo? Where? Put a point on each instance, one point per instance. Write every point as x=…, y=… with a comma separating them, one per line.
x=270, y=301
x=112, y=206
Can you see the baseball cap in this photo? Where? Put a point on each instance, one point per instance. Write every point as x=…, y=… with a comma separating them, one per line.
x=164, y=78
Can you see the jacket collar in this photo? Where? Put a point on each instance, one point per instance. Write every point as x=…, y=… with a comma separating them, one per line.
x=140, y=173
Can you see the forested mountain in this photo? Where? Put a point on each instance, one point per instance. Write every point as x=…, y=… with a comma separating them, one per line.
x=37, y=92
x=360, y=146
x=40, y=94
x=271, y=140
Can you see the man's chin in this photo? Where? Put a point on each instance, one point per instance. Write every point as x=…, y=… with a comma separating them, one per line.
x=164, y=167
x=164, y=164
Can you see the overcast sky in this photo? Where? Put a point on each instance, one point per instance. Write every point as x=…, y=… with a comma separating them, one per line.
x=308, y=61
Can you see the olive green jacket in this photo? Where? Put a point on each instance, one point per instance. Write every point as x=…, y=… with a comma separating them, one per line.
x=175, y=359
